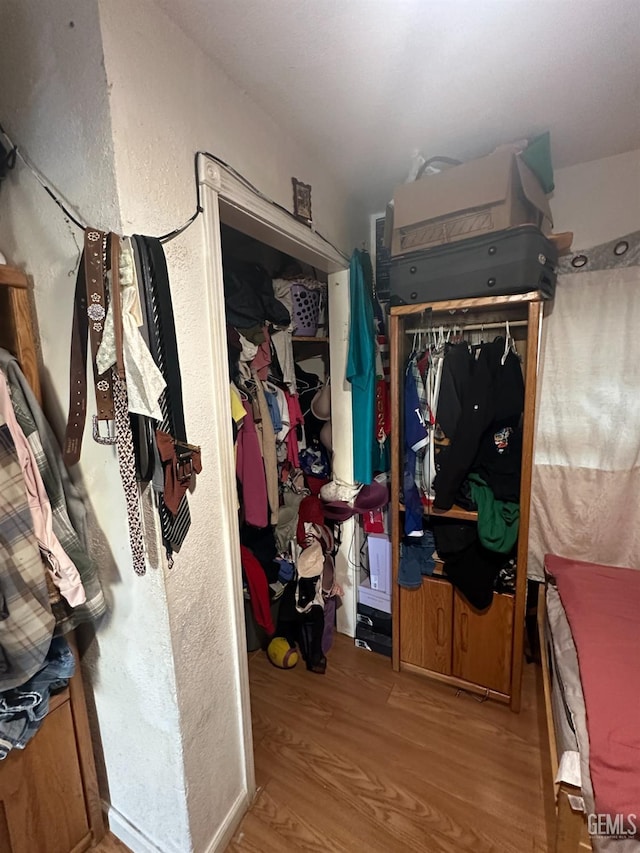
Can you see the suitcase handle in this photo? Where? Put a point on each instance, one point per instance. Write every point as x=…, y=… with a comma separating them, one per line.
x=448, y=160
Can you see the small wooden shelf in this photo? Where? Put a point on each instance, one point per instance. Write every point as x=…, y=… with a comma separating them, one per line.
x=456, y=512
x=13, y=277
x=307, y=339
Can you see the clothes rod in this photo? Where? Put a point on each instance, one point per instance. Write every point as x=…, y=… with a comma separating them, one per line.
x=475, y=327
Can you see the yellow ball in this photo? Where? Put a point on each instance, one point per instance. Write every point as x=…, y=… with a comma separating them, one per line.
x=281, y=654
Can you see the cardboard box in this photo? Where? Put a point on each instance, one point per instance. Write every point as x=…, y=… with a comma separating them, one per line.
x=379, y=550
x=485, y=195
x=373, y=597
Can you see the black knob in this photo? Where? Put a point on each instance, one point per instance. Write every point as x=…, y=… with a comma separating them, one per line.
x=413, y=270
x=492, y=250
x=414, y=295
x=491, y=282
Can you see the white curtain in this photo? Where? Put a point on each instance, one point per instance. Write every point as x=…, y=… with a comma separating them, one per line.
x=585, y=500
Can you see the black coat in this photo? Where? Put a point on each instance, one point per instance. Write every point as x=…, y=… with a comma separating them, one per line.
x=249, y=296
x=489, y=394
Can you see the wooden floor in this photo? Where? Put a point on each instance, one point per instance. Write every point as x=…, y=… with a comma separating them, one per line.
x=363, y=758
x=110, y=844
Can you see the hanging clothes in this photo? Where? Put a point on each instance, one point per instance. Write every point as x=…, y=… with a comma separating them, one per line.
x=361, y=368
x=282, y=339
x=145, y=383
x=26, y=620
x=62, y=571
x=262, y=359
x=268, y=444
x=258, y=590
x=67, y=508
x=493, y=393
x=250, y=472
x=153, y=276
x=416, y=437
x=296, y=418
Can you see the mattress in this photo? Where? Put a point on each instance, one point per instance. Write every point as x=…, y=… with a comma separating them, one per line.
x=593, y=606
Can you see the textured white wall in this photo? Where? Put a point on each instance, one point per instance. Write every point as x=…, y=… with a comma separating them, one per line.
x=168, y=100
x=54, y=102
x=599, y=200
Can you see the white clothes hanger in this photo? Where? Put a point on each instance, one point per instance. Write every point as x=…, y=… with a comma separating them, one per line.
x=509, y=344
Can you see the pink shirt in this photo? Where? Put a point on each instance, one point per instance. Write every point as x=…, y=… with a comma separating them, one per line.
x=63, y=572
x=250, y=471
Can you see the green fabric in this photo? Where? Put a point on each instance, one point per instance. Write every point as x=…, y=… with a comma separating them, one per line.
x=537, y=156
x=497, y=520
x=254, y=334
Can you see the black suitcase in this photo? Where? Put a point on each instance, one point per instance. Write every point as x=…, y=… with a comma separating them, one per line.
x=517, y=260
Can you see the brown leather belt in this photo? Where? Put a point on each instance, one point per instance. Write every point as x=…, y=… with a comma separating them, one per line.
x=90, y=309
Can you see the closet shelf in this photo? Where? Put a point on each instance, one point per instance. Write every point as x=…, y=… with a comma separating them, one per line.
x=456, y=512
x=306, y=339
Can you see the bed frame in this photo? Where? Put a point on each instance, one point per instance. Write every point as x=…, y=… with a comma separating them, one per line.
x=570, y=831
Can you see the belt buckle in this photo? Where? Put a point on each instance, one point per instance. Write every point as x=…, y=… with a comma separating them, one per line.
x=184, y=462
x=110, y=437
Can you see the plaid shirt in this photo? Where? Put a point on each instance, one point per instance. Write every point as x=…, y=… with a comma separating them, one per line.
x=26, y=621
x=67, y=507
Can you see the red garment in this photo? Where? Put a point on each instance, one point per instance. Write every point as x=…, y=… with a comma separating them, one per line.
x=262, y=359
x=250, y=471
x=258, y=590
x=311, y=510
x=295, y=417
x=373, y=521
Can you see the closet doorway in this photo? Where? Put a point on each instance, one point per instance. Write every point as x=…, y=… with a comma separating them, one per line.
x=229, y=203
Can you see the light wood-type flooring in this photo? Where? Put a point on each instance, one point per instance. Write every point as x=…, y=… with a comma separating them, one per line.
x=110, y=844
x=365, y=759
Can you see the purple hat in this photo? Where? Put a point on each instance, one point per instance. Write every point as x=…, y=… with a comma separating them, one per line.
x=374, y=496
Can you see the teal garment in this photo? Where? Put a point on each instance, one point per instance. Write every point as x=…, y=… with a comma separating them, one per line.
x=498, y=521
x=361, y=366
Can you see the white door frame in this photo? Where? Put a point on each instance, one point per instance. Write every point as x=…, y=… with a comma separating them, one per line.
x=225, y=196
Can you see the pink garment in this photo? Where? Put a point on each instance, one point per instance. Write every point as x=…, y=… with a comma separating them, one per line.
x=63, y=572
x=262, y=359
x=295, y=417
x=250, y=471
x=602, y=604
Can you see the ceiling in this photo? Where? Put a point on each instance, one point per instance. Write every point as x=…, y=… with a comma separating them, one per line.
x=368, y=83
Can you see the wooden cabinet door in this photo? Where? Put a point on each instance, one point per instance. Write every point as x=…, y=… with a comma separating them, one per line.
x=425, y=625
x=482, y=642
x=42, y=807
